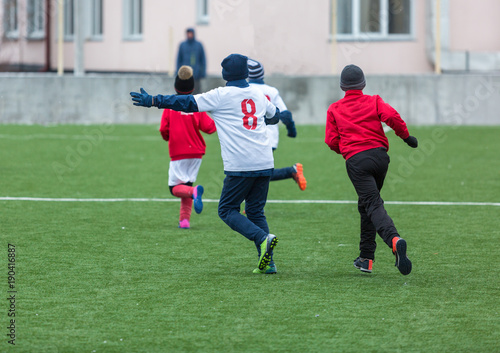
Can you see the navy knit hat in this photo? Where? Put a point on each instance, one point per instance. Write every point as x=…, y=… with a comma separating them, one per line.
x=255, y=70
x=184, y=81
x=234, y=67
x=352, y=77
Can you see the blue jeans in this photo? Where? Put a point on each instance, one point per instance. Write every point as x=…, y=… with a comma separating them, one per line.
x=252, y=190
x=282, y=173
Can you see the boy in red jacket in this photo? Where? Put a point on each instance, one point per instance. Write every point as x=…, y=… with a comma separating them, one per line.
x=186, y=148
x=354, y=129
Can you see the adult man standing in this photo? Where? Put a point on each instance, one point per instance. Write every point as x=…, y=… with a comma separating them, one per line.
x=191, y=53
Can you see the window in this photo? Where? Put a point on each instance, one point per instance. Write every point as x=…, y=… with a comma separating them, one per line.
x=36, y=19
x=10, y=19
x=96, y=19
x=69, y=19
x=202, y=17
x=133, y=19
x=399, y=19
x=374, y=19
x=344, y=17
x=369, y=16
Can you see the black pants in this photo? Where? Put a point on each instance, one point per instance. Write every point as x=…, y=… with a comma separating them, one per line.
x=367, y=171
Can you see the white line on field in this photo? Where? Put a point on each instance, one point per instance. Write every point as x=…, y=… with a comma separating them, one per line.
x=151, y=138
x=417, y=203
x=78, y=137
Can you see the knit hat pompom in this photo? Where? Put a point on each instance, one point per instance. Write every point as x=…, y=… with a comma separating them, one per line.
x=184, y=81
x=185, y=72
x=255, y=70
x=234, y=67
x=352, y=78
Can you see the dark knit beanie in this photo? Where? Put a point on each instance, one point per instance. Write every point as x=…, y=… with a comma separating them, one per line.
x=234, y=67
x=352, y=77
x=184, y=81
x=255, y=70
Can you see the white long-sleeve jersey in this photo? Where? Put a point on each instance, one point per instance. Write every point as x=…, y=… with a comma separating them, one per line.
x=274, y=96
x=239, y=114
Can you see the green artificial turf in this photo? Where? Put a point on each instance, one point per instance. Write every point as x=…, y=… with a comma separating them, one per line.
x=121, y=277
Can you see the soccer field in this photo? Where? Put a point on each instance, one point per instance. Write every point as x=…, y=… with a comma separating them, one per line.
x=115, y=274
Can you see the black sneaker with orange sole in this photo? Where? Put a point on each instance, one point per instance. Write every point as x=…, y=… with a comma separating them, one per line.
x=365, y=265
x=403, y=263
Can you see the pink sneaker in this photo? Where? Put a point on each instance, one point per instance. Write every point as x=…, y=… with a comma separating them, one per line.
x=184, y=224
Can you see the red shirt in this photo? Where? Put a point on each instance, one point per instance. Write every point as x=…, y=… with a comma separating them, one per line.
x=182, y=131
x=353, y=124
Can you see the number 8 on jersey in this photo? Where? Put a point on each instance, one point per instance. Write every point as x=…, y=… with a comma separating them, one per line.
x=249, y=114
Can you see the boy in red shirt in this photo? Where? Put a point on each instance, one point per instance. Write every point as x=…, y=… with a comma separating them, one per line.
x=354, y=129
x=186, y=147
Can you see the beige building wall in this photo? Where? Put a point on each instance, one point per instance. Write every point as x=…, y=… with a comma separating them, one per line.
x=290, y=37
x=474, y=25
x=391, y=56
x=287, y=36
x=20, y=50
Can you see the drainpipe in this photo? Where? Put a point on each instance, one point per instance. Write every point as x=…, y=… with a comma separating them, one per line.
x=60, y=51
x=437, y=38
x=48, y=38
x=333, y=31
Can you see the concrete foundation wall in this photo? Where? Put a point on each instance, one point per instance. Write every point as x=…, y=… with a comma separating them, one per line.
x=96, y=99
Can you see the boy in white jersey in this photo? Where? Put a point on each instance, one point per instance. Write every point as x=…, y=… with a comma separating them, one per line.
x=256, y=78
x=241, y=113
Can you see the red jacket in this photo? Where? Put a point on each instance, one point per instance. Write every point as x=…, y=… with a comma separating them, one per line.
x=353, y=124
x=182, y=131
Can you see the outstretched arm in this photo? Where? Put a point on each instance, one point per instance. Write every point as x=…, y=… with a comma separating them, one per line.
x=183, y=103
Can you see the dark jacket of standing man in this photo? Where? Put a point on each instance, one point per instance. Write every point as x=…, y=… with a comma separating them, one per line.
x=191, y=53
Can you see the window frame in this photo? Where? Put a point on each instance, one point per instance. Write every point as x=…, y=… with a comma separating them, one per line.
x=36, y=12
x=383, y=35
x=11, y=24
x=133, y=19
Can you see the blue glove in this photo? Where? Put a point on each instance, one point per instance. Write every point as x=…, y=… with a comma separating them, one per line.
x=286, y=118
x=142, y=99
x=290, y=128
